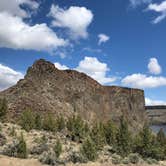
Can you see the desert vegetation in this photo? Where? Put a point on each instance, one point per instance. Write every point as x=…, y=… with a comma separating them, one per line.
x=55, y=140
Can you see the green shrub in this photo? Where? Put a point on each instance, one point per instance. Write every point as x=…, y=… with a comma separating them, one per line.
x=48, y=157
x=41, y=140
x=76, y=157
x=27, y=120
x=116, y=159
x=125, y=160
x=17, y=148
x=49, y=123
x=44, y=139
x=58, y=148
x=39, y=149
x=88, y=150
x=151, y=161
x=133, y=158
x=11, y=149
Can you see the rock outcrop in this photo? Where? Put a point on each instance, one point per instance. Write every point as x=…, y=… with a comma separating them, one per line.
x=47, y=89
x=156, y=114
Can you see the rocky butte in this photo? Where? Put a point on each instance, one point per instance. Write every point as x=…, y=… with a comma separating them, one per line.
x=47, y=89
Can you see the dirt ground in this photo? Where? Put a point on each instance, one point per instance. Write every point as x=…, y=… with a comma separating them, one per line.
x=9, y=161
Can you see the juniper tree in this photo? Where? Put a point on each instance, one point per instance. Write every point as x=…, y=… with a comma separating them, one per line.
x=49, y=123
x=144, y=142
x=123, y=138
x=60, y=123
x=88, y=149
x=98, y=135
x=3, y=108
x=22, y=148
x=38, y=121
x=110, y=132
x=148, y=144
x=160, y=145
x=27, y=120
x=161, y=138
x=76, y=127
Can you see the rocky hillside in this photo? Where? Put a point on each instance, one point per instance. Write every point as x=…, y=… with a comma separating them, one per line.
x=47, y=89
x=157, y=114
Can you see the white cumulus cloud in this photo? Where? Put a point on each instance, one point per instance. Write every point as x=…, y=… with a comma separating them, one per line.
x=95, y=69
x=135, y=3
x=16, y=34
x=103, y=38
x=143, y=81
x=13, y=7
x=8, y=77
x=150, y=102
x=75, y=19
x=159, y=8
x=154, y=67
x=60, y=67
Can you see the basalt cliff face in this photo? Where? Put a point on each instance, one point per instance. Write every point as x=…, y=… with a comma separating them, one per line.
x=47, y=89
x=156, y=115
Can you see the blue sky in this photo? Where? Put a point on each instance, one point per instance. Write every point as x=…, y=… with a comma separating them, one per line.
x=117, y=42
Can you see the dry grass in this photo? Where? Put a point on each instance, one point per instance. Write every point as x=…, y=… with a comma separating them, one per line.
x=9, y=161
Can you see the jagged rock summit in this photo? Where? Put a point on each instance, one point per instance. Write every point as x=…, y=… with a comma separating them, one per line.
x=47, y=89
